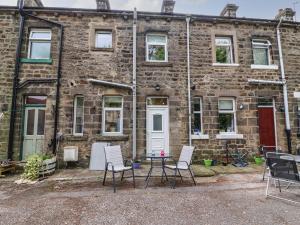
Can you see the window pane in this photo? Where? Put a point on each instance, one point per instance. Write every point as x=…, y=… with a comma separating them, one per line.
x=41, y=122
x=156, y=52
x=112, y=121
x=197, y=123
x=30, y=122
x=226, y=122
x=157, y=122
x=197, y=105
x=79, y=114
x=157, y=101
x=38, y=100
x=104, y=40
x=223, y=54
x=225, y=104
x=156, y=39
x=40, y=35
x=261, y=56
x=113, y=102
x=40, y=50
x=223, y=41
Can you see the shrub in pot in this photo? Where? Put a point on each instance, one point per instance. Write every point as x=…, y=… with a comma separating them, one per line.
x=32, y=167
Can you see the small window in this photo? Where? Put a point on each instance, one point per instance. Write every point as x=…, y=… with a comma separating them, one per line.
x=157, y=123
x=78, y=115
x=36, y=100
x=224, y=50
x=197, y=116
x=103, y=39
x=39, y=44
x=157, y=101
x=261, y=52
x=112, y=115
x=227, y=115
x=156, y=47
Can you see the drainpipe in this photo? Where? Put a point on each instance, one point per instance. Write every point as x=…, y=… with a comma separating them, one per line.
x=134, y=87
x=16, y=83
x=285, y=92
x=189, y=78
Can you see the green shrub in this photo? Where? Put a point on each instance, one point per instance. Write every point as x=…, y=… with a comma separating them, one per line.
x=32, y=167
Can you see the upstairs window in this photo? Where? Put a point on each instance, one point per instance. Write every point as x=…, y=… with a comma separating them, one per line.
x=103, y=39
x=39, y=44
x=224, y=50
x=112, y=118
x=261, y=52
x=227, y=115
x=78, y=116
x=197, y=116
x=156, y=48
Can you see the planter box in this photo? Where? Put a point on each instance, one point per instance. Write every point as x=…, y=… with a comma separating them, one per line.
x=48, y=166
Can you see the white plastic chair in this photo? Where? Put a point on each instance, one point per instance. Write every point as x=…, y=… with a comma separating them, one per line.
x=115, y=164
x=184, y=163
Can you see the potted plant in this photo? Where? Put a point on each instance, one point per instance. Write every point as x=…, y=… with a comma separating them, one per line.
x=207, y=162
x=258, y=159
x=136, y=164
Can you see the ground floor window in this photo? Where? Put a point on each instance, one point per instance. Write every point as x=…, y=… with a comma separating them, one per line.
x=112, y=119
x=227, y=115
x=78, y=115
x=197, y=116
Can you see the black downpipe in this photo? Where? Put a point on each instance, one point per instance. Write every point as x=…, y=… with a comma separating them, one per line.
x=289, y=140
x=16, y=83
x=58, y=84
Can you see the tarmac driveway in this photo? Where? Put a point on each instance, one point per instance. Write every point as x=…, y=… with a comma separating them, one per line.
x=224, y=199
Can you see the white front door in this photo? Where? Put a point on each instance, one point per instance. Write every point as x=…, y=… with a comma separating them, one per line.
x=34, y=130
x=157, y=129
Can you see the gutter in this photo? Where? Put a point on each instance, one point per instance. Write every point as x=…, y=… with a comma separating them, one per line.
x=189, y=79
x=134, y=50
x=285, y=91
x=16, y=83
x=110, y=83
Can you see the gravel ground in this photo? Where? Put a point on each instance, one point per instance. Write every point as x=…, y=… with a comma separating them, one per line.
x=224, y=199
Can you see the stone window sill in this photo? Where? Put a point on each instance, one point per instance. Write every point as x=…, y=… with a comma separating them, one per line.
x=229, y=136
x=112, y=138
x=264, y=67
x=200, y=136
x=76, y=138
x=36, y=61
x=102, y=49
x=158, y=64
x=226, y=64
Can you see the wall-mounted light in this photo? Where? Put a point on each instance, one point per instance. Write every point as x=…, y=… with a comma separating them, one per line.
x=241, y=107
x=157, y=87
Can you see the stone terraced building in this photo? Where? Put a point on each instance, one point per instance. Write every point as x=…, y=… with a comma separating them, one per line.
x=74, y=74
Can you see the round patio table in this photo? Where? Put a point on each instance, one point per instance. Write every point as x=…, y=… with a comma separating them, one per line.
x=157, y=157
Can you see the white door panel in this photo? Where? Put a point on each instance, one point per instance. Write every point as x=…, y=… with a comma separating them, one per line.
x=157, y=129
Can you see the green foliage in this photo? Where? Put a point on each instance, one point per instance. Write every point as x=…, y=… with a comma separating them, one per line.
x=32, y=167
x=160, y=53
x=221, y=55
x=224, y=121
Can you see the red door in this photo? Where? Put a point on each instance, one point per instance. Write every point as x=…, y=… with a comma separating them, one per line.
x=266, y=126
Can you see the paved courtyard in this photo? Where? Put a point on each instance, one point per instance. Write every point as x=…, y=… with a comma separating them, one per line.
x=222, y=199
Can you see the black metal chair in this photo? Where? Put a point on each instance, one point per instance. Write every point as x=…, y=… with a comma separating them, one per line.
x=283, y=168
x=265, y=150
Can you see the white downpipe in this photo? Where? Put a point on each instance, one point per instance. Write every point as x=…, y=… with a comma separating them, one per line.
x=285, y=93
x=134, y=87
x=189, y=78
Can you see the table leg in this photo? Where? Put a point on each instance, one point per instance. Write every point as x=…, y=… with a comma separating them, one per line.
x=163, y=169
x=149, y=175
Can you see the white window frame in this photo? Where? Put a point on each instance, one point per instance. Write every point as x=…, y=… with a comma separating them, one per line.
x=258, y=43
x=75, y=112
x=157, y=43
x=233, y=111
x=40, y=40
x=198, y=112
x=103, y=32
x=225, y=45
x=105, y=109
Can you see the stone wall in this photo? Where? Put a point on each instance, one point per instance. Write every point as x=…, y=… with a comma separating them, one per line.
x=81, y=62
